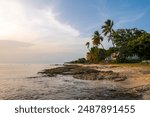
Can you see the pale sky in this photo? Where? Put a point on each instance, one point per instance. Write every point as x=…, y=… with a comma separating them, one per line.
x=55, y=31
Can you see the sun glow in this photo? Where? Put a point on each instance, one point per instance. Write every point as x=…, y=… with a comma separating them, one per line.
x=7, y=28
x=29, y=32
x=10, y=17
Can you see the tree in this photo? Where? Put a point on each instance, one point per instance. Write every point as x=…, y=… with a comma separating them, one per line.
x=95, y=55
x=141, y=46
x=107, y=30
x=97, y=39
x=110, y=51
x=132, y=42
x=88, y=45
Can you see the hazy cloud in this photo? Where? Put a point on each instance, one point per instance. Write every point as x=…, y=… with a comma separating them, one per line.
x=10, y=44
x=36, y=30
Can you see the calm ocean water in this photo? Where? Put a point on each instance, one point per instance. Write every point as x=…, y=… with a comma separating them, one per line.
x=15, y=84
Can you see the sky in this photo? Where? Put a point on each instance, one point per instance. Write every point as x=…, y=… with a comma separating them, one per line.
x=55, y=31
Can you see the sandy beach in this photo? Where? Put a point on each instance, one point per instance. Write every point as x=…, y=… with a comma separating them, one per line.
x=129, y=81
x=137, y=75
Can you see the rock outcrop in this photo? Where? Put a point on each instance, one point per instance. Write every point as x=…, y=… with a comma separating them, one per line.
x=84, y=73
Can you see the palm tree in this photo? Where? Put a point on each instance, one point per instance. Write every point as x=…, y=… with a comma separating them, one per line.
x=97, y=39
x=108, y=30
x=90, y=56
x=88, y=45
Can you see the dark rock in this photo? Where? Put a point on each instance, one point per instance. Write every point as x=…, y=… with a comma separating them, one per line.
x=84, y=73
x=33, y=77
x=110, y=94
x=116, y=93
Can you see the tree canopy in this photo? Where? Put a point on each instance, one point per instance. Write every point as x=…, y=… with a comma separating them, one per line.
x=126, y=42
x=132, y=42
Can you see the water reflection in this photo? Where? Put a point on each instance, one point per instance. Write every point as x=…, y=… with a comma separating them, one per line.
x=14, y=84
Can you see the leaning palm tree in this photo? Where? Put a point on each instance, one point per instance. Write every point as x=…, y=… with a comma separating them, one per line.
x=108, y=30
x=97, y=39
x=88, y=45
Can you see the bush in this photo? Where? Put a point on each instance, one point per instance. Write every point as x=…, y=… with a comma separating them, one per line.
x=128, y=61
x=95, y=55
x=80, y=60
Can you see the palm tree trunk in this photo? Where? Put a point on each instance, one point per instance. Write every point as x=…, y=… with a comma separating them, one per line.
x=103, y=49
x=102, y=46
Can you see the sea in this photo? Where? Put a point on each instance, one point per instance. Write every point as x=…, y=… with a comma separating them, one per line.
x=23, y=82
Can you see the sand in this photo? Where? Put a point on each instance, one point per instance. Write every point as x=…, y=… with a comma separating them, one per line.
x=137, y=74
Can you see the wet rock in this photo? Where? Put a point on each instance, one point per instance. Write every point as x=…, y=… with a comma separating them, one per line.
x=87, y=76
x=101, y=75
x=84, y=73
x=109, y=94
x=134, y=93
x=68, y=70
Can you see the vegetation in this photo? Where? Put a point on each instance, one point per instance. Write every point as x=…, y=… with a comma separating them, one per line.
x=95, y=53
x=126, y=43
x=108, y=30
x=111, y=50
x=80, y=60
x=130, y=42
x=97, y=39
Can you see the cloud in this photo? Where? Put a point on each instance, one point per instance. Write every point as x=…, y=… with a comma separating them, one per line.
x=19, y=20
x=31, y=32
x=10, y=44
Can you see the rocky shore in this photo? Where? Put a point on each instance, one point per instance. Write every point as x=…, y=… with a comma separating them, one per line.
x=135, y=93
x=84, y=73
x=131, y=82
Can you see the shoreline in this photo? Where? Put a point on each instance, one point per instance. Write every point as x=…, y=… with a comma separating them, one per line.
x=134, y=85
